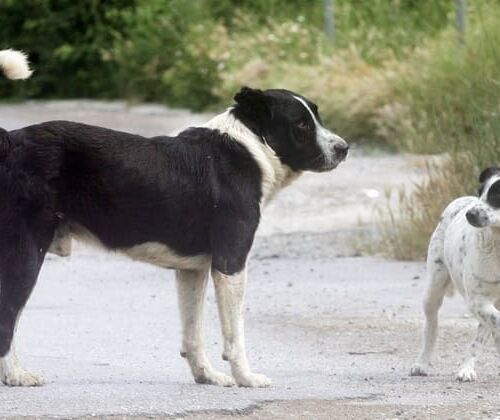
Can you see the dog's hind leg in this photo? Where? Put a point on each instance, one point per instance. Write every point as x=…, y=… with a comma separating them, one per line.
x=20, y=261
x=496, y=335
x=496, y=338
x=438, y=283
x=466, y=372
x=191, y=288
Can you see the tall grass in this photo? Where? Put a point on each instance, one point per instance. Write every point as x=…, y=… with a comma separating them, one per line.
x=406, y=222
x=450, y=103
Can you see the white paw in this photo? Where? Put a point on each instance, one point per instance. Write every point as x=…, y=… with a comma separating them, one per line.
x=419, y=370
x=212, y=377
x=466, y=374
x=253, y=380
x=20, y=377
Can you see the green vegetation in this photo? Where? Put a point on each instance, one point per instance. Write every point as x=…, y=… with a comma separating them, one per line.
x=449, y=102
x=396, y=73
x=181, y=52
x=65, y=41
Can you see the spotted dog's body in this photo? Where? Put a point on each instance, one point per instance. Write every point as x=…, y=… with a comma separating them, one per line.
x=190, y=202
x=464, y=254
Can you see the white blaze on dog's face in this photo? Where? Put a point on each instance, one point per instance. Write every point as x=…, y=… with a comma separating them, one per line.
x=486, y=211
x=334, y=147
x=291, y=126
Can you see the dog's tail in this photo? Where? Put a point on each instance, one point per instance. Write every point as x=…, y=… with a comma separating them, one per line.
x=14, y=64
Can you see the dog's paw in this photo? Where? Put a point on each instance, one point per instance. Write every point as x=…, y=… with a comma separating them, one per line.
x=419, y=370
x=253, y=380
x=466, y=374
x=20, y=377
x=212, y=377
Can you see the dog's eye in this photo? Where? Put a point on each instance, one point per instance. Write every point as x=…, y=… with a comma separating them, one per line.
x=302, y=125
x=493, y=195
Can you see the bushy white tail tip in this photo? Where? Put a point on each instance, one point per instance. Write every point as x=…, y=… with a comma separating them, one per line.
x=14, y=64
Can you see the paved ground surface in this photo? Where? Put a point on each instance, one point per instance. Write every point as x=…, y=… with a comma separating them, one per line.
x=337, y=333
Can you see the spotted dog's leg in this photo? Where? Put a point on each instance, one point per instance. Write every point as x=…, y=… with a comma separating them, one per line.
x=488, y=314
x=191, y=288
x=230, y=291
x=438, y=282
x=496, y=338
x=496, y=335
x=466, y=372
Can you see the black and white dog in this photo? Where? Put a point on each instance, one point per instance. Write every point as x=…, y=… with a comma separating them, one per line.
x=464, y=254
x=191, y=202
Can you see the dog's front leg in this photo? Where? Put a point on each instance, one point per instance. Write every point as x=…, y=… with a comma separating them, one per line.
x=467, y=372
x=191, y=288
x=230, y=291
x=12, y=373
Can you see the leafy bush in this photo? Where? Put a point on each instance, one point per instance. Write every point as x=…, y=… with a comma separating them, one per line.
x=66, y=42
x=162, y=56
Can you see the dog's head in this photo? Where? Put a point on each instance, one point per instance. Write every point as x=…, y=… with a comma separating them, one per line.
x=486, y=212
x=291, y=126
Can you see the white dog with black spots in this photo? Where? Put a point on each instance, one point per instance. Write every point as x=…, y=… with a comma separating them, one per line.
x=464, y=254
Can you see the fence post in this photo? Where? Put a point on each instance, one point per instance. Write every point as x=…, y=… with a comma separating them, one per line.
x=460, y=11
x=330, y=18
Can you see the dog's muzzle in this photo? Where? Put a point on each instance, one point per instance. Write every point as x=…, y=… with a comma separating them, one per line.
x=334, y=149
x=477, y=217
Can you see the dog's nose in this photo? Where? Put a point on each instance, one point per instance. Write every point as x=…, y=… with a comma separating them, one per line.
x=341, y=149
x=474, y=218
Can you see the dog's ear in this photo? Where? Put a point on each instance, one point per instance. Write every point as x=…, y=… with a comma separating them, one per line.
x=489, y=172
x=254, y=102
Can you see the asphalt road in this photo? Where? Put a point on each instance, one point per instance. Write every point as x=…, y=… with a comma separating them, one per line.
x=336, y=333
x=104, y=331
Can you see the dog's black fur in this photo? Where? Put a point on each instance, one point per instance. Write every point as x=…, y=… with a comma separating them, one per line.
x=485, y=175
x=198, y=193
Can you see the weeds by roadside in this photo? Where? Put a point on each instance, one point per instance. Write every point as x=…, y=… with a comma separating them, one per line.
x=407, y=219
x=451, y=104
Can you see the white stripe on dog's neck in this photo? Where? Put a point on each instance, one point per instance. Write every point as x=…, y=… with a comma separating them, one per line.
x=275, y=174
